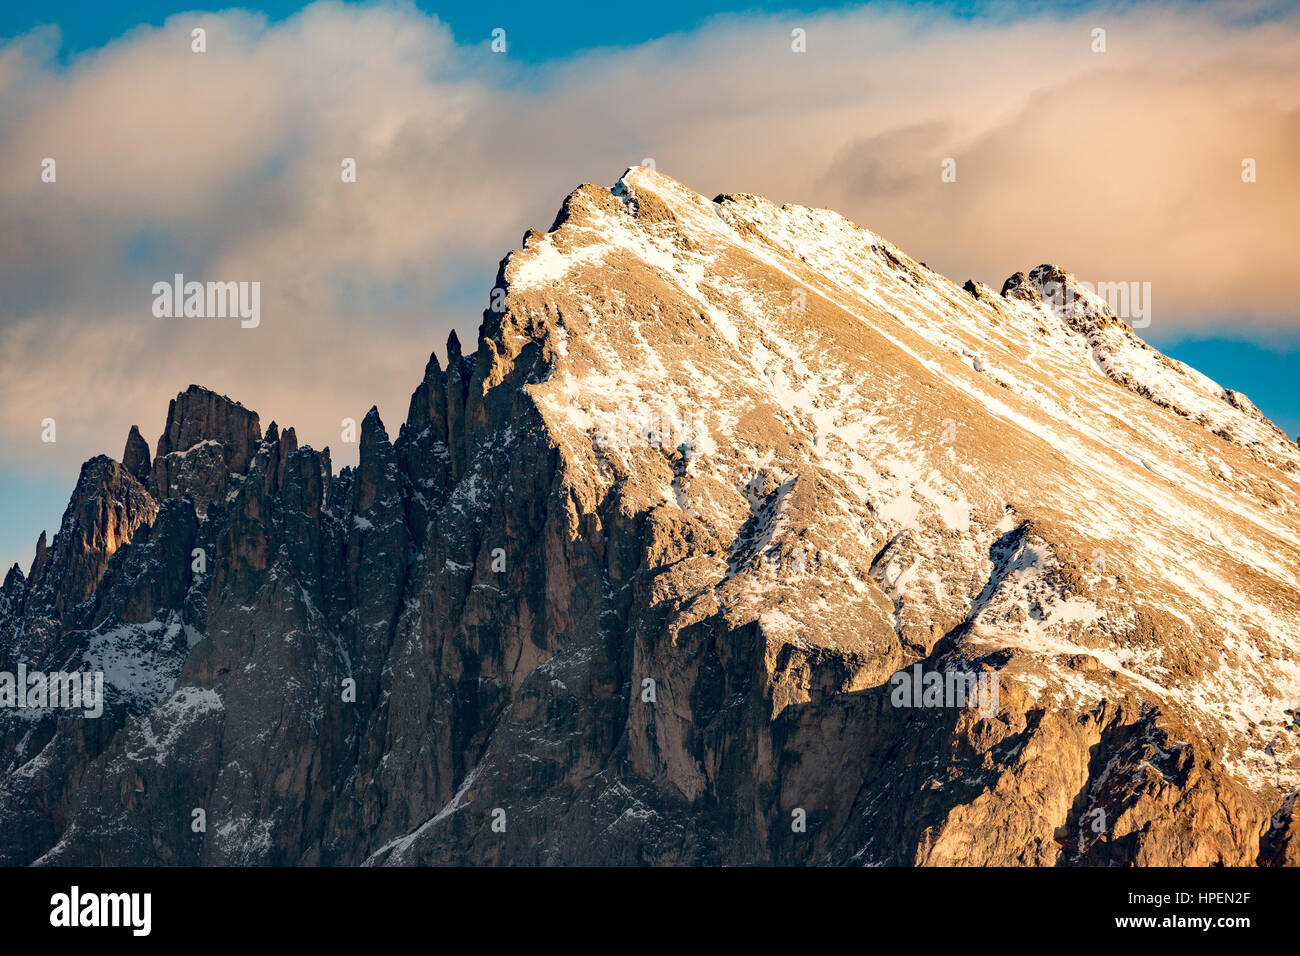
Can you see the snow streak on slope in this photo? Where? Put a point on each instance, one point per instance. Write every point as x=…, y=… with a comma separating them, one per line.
x=1002, y=469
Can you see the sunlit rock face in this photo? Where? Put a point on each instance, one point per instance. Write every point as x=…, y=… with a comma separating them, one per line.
x=644, y=579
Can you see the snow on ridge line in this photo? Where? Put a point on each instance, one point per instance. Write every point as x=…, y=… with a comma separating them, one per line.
x=543, y=263
x=948, y=303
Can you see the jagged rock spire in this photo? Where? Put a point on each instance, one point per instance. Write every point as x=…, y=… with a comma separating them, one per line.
x=14, y=580
x=135, y=457
x=207, y=438
x=40, y=560
x=458, y=375
x=428, y=408
x=199, y=414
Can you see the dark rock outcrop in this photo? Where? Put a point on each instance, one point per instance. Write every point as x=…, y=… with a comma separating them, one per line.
x=135, y=457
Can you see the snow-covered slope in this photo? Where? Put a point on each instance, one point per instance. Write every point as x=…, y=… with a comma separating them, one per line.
x=1031, y=475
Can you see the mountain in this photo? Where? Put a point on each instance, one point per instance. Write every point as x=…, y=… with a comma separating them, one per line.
x=646, y=579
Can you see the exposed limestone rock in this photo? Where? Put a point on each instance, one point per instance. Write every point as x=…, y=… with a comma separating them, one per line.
x=198, y=415
x=208, y=439
x=107, y=507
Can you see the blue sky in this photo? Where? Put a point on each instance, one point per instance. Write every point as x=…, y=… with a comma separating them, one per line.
x=537, y=31
x=540, y=31
x=1265, y=370
x=799, y=137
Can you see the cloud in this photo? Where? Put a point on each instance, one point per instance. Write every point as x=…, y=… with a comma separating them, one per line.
x=1122, y=165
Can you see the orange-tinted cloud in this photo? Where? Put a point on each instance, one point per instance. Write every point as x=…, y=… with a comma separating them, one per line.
x=1123, y=165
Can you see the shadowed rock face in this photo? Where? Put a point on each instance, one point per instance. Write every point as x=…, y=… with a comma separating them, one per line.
x=199, y=415
x=630, y=584
x=135, y=458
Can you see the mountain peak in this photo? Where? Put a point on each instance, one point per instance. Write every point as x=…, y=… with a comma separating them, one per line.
x=199, y=414
x=717, y=475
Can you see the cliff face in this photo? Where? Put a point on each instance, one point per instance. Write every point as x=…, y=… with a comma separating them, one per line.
x=631, y=581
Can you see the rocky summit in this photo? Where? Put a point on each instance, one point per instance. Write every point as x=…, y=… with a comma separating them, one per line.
x=677, y=567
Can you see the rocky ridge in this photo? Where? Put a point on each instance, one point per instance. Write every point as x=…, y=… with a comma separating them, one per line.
x=752, y=454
